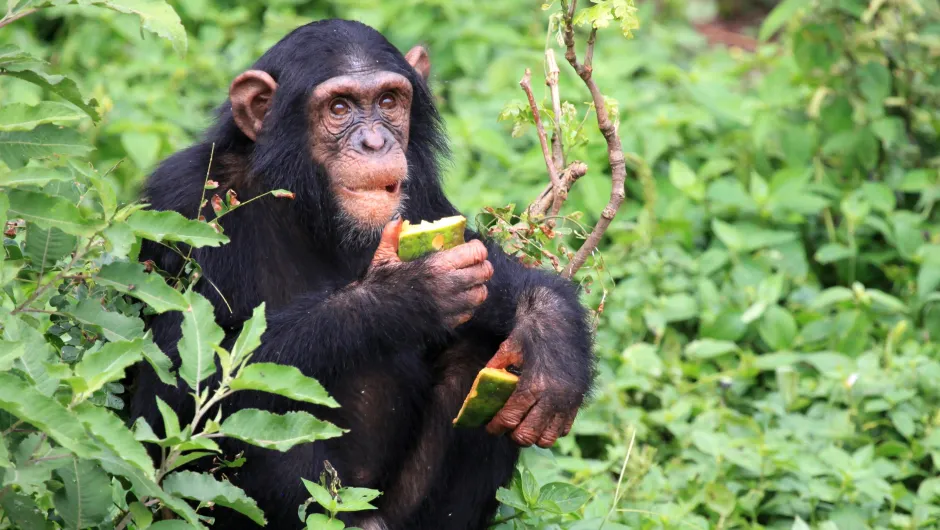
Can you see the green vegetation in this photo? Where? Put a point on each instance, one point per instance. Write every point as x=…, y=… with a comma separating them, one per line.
x=768, y=341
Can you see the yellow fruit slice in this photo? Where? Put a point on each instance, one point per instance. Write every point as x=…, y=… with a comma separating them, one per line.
x=490, y=391
x=417, y=240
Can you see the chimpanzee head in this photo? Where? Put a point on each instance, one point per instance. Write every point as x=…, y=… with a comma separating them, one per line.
x=339, y=116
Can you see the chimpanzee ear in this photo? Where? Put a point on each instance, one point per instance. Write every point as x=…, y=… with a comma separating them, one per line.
x=251, y=94
x=418, y=58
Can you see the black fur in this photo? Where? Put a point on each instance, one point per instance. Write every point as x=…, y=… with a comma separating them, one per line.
x=375, y=341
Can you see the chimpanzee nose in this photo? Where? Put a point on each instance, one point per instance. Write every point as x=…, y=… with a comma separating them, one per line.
x=371, y=142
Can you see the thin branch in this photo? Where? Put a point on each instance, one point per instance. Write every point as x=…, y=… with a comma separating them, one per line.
x=557, y=184
x=589, y=52
x=614, y=147
x=569, y=176
x=9, y=19
x=551, y=79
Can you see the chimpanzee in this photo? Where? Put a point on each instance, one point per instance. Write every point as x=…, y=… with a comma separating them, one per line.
x=338, y=116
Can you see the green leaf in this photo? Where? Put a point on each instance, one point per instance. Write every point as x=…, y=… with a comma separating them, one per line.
x=142, y=515
x=32, y=176
x=27, y=404
x=120, y=238
x=832, y=252
x=719, y=499
x=23, y=117
x=799, y=524
x=709, y=348
x=781, y=14
x=105, y=365
x=562, y=498
x=144, y=487
x=250, y=337
x=22, y=511
x=57, y=84
x=50, y=212
x=684, y=179
x=115, y=326
x=778, y=328
x=171, y=422
x=142, y=147
x=745, y=237
x=280, y=432
x=356, y=499
x=18, y=147
x=111, y=431
x=10, y=352
x=85, y=498
x=130, y=278
x=319, y=521
x=284, y=380
x=206, y=488
x=45, y=247
x=201, y=335
x=832, y=296
x=320, y=495
x=156, y=16
x=160, y=363
x=171, y=226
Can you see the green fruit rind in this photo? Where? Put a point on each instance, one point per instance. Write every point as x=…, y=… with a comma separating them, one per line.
x=490, y=391
x=417, y=240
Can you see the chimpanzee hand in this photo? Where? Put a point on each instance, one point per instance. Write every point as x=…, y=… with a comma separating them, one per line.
x=543, y=406
x=456, y=277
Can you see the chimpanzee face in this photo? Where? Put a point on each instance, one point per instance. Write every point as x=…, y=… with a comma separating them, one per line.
x=358, y=126
x=359, y=129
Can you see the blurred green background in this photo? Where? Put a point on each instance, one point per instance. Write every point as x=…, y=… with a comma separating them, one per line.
x=770, y=324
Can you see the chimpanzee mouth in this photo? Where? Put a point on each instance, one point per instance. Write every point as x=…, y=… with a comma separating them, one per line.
x=391, y=189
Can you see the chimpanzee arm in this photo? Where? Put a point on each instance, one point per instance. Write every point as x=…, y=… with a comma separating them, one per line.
x=387, y=311
x=545, y=331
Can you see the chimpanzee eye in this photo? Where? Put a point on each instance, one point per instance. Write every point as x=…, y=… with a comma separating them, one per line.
x=387, y=101
x=339, y=107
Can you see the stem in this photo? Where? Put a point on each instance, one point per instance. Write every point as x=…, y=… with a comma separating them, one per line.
x=502, y=520
x=614, y=147
x=557, y=184
x=9, y=19
x=551, y=79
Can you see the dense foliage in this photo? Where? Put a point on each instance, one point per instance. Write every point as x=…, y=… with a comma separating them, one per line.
x=768, y=352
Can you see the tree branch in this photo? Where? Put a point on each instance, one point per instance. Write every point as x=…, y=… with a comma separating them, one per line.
x=551, y=79
x=557, y=185
x=614, y=147
x=569, y=176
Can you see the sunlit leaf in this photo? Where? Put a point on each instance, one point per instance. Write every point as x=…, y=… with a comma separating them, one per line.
x=50, y=212
x=115, y=326
x=284, y=380
x=171, y=226
x=130, y=278
x=206, y=488
x=23, y=117
x=45, y=141
x=111, y=431
x=24, y=402
x=274, y=431
x=201, y=335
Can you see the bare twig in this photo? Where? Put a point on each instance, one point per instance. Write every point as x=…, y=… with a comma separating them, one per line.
x=569, y=176
x=614, y=147
x=557, y=185
x=551, y=79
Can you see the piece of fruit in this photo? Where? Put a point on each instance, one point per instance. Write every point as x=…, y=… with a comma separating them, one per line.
x=490, y=391
x=416, y=240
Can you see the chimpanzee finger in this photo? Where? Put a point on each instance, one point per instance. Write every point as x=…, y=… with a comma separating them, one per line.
x=531, y=428
x=512, y=413
x=467, y=301
x=472, y=276
x=569, y=421
x=387, y=250
x=462, y=256
x=553, y=432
